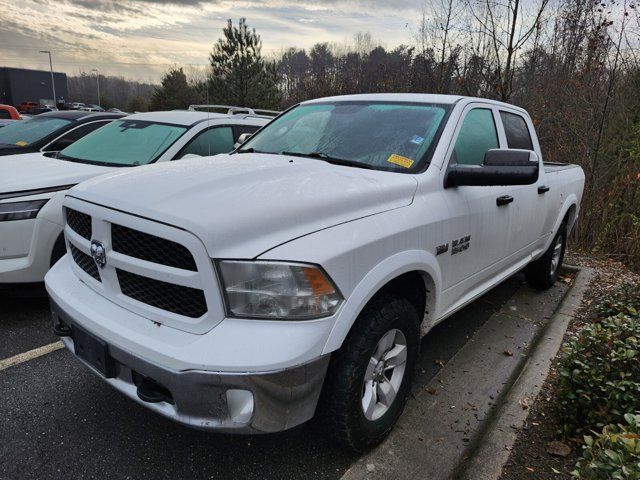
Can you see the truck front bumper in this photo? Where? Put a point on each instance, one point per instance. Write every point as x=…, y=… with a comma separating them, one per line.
x=230, y=402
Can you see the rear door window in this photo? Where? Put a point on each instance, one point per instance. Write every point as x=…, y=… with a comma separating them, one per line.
x=210, y=142
x=516, y=130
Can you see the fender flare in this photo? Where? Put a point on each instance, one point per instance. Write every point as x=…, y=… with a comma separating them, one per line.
x=570, y=201
x=373, y=281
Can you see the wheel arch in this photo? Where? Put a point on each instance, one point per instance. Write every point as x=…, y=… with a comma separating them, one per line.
x=58, y=250
x=413, y=274
x=569, y=212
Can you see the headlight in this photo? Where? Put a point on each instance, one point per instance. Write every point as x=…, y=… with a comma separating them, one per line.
x=20, y=210
x=277, y=290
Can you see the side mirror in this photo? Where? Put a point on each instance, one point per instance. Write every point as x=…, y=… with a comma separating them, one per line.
x=500, y=167
x=243, y=137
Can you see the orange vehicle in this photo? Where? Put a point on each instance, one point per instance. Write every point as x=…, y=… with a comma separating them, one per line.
x=7, y=112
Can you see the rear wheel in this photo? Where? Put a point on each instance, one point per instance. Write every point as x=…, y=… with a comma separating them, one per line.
x=543, y=273
x=370, y=377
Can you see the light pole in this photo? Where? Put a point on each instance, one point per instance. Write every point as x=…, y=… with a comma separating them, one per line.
x=97, y=83
x=53, y=86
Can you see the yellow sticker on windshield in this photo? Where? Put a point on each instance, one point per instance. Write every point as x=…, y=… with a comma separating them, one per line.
x=400, y=160
x=22, y=143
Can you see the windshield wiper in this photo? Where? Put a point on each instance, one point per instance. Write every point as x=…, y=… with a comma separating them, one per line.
x=330, y=159
x=62, y=156
x=250, y=150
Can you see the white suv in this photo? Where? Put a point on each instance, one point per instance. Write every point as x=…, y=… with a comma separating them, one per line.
x=32, y=186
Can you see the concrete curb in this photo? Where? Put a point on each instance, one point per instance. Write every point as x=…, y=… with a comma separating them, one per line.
x=492, y=449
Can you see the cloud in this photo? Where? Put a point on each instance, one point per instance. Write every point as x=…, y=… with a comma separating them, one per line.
x=141, y=39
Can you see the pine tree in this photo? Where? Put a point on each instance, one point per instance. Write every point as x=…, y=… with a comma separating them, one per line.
x=174, y=92
x=239, y=74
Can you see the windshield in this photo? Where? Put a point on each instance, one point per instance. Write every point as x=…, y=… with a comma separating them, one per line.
x=124, y=143
x=25, y=132
x=382, y=135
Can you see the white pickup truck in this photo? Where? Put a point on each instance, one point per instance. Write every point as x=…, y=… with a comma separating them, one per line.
x=294, y=277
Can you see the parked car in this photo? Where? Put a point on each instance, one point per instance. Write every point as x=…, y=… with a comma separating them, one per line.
x=246, y=292
x=25, y=106
x=115, y=110
x=7, y=112
x=50, y=132
x=40, y=110
x=75, y=105
x=4, y=122
x=90, y=107
x=33, y=186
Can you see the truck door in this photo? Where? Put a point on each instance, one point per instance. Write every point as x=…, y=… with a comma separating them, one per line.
x=529, y=206
x=481, y=237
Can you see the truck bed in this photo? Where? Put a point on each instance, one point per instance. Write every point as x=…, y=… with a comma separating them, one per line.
x=551, y=167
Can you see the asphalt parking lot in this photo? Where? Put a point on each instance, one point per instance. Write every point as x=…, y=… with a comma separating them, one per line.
x=60, y=421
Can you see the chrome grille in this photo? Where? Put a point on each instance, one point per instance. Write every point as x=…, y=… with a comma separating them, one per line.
x=186, y=301
x=151, y=248
x=85, y=262
x=79, y=223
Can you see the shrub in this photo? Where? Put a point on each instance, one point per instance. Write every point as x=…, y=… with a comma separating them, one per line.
x=613, y=454
x=599, y=375
x=624, y=299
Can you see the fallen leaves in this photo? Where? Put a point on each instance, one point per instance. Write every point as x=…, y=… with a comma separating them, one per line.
x=508, y=353
x=524, y=402
x=558, y=449
x=565, y=278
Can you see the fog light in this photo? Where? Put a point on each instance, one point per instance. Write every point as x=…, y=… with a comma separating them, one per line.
x=240, y=405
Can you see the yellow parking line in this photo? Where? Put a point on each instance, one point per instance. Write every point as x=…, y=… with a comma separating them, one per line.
x=30, y=355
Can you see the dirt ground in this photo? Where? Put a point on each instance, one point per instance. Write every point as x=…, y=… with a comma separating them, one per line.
x=540, y=452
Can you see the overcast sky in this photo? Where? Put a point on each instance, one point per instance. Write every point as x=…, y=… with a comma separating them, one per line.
x=141, y=39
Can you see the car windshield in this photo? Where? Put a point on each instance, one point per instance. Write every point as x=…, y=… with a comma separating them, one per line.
x=392, y=136
x=124, y=143
x=25, y=132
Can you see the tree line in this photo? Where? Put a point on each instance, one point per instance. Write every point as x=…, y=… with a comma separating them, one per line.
x=128, y=95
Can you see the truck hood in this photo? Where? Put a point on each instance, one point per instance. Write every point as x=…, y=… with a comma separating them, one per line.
x=245, y=204
x=30, y=171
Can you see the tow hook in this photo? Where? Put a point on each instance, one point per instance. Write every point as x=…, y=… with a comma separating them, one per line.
x=149, y=390
x=61, y=329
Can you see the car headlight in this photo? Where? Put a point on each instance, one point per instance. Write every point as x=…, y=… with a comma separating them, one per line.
x=20, y=210
x=277, y=290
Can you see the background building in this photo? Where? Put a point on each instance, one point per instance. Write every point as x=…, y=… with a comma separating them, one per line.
x=19, y=85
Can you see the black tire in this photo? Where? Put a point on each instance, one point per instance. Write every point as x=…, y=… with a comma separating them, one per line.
x=59, y=250
x=340, y=408
x=540, y=273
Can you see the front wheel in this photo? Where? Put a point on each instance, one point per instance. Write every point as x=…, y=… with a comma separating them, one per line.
x=370, y=377
x=543, y=273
